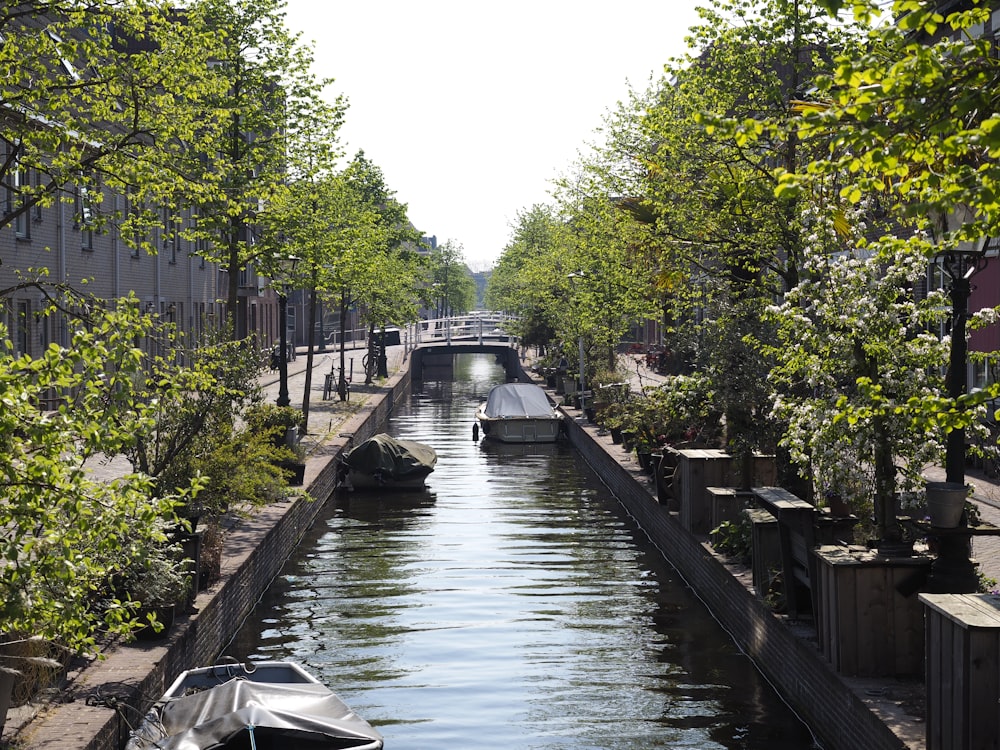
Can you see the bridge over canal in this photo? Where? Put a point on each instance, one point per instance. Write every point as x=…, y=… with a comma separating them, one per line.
x=433, y=344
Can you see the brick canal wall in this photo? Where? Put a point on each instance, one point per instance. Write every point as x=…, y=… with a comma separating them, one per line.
x=793, y=664
x=135, y=675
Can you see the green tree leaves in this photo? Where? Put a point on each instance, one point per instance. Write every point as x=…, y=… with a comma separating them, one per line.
x=64, y=528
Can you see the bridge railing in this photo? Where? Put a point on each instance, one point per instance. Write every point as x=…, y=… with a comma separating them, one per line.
x=480, y=328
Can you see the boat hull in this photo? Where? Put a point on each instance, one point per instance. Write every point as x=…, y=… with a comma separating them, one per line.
x=384, y=462
x=359, y=480
x=519, y=413
x=520, y=429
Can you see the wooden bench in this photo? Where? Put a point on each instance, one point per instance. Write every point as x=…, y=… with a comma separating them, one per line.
x=797, y=538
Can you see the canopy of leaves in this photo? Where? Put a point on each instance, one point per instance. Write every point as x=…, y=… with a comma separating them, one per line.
x=99, y=94
x=63, y=529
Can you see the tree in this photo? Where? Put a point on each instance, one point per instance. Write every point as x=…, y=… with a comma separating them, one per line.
x=910, y=127
x=324, y=222
x=524, y=280
x=380, y=261
x=858, y=367
x=67, y=531
x=97, y=95
x=453, y=290
x=269, y=100
x=724, y=242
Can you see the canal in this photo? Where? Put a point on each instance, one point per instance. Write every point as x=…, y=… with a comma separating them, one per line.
x=513, y=605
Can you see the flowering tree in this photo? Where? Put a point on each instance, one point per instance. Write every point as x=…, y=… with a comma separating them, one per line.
x=859, y=369
x=911, y=135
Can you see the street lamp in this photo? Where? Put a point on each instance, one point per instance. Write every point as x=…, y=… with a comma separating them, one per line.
x=953, y=571
x=286, y=267
x=960, y=263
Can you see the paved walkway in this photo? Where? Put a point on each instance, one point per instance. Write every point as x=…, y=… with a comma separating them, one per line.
x=327, y=415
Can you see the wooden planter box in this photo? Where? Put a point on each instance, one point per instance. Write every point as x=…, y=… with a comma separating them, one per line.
x=766, y=548
x=727, y=504
x=869, y=620
x=962, y=670
x=701, y=468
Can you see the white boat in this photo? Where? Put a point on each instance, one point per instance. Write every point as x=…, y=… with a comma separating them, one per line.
x=519, y=413
x=234, y=706
x=385, y=462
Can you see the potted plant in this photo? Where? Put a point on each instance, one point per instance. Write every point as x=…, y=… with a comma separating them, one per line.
x=153, y=585
x=613, y=417
x=281, y=423
x=283, y=426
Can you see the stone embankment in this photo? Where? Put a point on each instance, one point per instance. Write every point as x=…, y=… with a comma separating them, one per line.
x=103, y=700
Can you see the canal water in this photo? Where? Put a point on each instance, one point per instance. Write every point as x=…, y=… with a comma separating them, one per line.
x=512, y=605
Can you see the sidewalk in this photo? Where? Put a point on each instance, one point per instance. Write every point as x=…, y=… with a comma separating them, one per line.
x=986, y=491
x=327, y=416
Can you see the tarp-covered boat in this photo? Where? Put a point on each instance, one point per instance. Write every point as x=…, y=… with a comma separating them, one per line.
x=384, y=461
x=263, y=706
x=519, y=413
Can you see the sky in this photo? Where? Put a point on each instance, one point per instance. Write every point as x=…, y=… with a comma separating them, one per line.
x=472, y=109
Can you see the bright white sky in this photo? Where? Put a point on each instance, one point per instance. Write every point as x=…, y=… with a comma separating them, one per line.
x=472, y=109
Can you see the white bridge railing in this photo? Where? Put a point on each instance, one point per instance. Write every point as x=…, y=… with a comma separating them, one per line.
x=477, y=327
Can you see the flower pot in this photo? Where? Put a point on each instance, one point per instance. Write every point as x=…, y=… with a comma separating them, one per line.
x=295, y=471
x=945, y=503
x=165, y=615
x=616, y=435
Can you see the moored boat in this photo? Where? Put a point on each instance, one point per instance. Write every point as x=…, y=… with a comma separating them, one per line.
x=235, y=706
x=385, y=462
x=519, y=413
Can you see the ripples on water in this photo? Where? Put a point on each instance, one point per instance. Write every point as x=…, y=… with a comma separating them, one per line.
x=514, y=605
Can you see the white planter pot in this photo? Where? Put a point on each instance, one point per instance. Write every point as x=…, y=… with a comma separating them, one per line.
x=945, y=503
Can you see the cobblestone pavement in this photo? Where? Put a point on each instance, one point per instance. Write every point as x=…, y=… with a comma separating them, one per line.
x=327, y=415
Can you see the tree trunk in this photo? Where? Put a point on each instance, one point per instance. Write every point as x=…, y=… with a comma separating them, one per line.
x=342, y=378
x=309, y=356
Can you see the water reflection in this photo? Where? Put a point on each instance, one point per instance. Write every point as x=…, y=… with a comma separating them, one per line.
x=512, y=605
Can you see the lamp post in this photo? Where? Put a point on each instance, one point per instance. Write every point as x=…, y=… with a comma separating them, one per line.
x=960, y=263
x=953, y=571
x=287, y=268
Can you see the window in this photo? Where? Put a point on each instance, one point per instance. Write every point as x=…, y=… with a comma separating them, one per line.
x=43, y=324
x=171, y=236
x=64, y=61
x=15, y=201
x=134, y=212
x=22, y=328
x=980, y=374
x=86, y=201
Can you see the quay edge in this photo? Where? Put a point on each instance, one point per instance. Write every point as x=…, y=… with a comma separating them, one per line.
x=132, y=676
x=785, y=652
